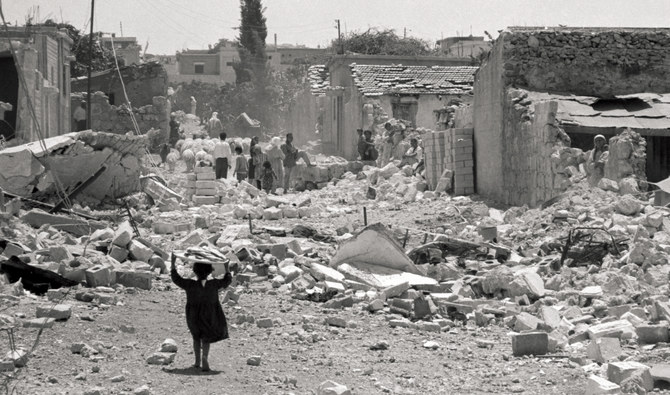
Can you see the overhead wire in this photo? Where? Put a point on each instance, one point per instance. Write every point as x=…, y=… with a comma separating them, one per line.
x=130, y=107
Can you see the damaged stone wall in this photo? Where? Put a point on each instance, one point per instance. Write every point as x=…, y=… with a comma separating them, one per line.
x=142, y=82
x=117, y=120
x=626, y=161
x=72, y=159
x=587, y=61
x=537, y=159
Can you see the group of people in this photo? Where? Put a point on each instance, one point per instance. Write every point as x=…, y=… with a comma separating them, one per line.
x=266, y=169
x=393, y=148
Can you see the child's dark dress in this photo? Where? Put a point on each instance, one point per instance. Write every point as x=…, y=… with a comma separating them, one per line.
x=204, y=315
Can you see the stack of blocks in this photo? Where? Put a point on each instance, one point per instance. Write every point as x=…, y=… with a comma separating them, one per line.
x=450, y=149
x=463, y=161
x=189, y=186
x=205, y=186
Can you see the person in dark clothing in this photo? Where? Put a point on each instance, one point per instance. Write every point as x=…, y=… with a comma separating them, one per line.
x=367, y=147
x=165, y=150
x=268, y=176
x=204, y=315
x=174, y=130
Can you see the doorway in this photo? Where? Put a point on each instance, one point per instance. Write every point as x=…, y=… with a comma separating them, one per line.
x=9, y=93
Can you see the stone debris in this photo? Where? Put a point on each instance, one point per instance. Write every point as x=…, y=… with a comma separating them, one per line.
x=329, y=387
x=583, y=276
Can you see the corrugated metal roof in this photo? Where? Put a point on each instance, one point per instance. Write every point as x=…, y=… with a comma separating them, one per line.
x=641, y=111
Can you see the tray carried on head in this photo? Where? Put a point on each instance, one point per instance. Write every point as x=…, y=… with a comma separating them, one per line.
x=206, y=255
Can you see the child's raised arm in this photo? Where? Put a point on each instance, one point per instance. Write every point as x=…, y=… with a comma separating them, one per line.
x=174, y=274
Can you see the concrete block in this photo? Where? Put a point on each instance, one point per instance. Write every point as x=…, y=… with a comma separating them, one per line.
x=206, y=176
x=123, y=235
x=57, y=312
x=205, y=184
x=652, y=334
x=597, y=385
x=202, y=200
x=290, y=273
x=526, y=322
x=531, y=343
x=203, y=170
x=334, y=286
x=206, y=192
x=621, y=329
x=139, y=251
x=118, y=253
x=272, y=213
x=44, y=322
x=395, y=290
x=661, y=372
x=604, y=349
x=97, y=276
x=135, y=279
x=620, y=371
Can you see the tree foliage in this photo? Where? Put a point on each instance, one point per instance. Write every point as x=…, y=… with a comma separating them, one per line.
x=100, y=59
x=376, y=41
x=251, y=43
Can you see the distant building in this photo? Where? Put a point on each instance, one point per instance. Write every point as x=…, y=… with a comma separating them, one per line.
x=291, y=56
x=142, y=83
x=44, y=56
x=343, y=95
x=126, y=48
x=213, y=65
x=463, y=47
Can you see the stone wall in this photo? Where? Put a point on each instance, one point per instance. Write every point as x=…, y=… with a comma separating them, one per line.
x=117, y=119
x=450, y=149
x=488, y=124
x=592, y=62
x=48, y=97
x=142, y=82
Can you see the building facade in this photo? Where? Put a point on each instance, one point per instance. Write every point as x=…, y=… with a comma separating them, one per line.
x=348, y=91
x=541, y=90
x=213, y=66
x=43, y=56
x=126, y=48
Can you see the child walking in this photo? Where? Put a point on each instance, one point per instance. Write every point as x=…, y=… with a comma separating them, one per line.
x=204, y=315
x=267, y=176
x=241, y=165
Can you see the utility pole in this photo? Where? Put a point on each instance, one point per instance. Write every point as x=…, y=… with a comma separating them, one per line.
x=404, y=36
x=90, y=61
x=339, y=37
x=121, y=26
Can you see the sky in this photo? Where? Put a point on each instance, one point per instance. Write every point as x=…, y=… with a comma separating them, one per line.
x=173, y=25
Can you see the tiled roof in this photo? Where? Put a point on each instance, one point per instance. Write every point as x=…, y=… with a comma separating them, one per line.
x=319, y=79
x=377, y=80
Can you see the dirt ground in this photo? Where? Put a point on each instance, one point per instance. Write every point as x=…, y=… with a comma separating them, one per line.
x=297, y=353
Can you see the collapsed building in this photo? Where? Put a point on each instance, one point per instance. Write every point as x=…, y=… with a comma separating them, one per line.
x=43, y=53
x=94, y=166
x=358, y=91
x=544, y=91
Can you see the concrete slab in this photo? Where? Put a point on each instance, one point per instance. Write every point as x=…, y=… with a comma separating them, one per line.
x=376, y=246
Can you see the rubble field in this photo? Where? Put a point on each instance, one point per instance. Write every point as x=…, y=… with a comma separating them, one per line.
x=369, y=284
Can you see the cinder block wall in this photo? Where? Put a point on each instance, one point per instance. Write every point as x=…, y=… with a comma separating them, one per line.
x=450, y=149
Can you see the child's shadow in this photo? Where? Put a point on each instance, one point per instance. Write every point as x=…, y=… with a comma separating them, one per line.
x=191, y=371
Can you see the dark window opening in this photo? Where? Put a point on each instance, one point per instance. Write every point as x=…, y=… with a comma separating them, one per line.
x=199, y=68
x=229, y=64
x=9, y=93
x=405, y=111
